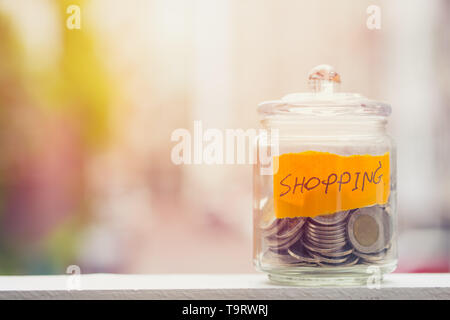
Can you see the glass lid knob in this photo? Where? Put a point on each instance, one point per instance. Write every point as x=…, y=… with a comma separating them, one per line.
x=324, y=79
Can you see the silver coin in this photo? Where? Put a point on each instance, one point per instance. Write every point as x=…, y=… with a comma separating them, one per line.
x=350, y=262
x=371, y=257
x=340, y=253
x=292, y=226
x=275, y=242
x=301, y=256
x=369, y=229
x=326, y=234
x=291, y=241
x=273, y=258
x=329, y=252
x=276, y=226
x=369, y=263
x=326, y=237
x=330, y=229
x=285, y=244
x=311, y=247
x=289, y=229
x=331, y=219
x=323, y=259
x=323, y=245
x=326, y=240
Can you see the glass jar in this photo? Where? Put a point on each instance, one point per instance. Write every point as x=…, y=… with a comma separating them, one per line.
x=325, y=187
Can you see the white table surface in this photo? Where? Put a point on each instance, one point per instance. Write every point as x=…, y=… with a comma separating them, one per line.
x=214, y=286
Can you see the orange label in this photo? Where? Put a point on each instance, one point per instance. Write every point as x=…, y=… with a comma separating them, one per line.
x=311, y=183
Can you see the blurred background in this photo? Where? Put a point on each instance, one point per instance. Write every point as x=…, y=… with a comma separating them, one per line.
x=86, y=117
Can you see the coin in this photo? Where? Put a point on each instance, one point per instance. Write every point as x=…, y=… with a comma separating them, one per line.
x=313, y=248
x=274, y=227
x=301, y=255
x=330, y=229
x=325, y=240
x=351, y=261
x=326, y=233
x=271, y=257
x=339, y=253
x=337, y=240
x=290, y=228
x=325, y=236
x=371, y=257
x=369, y=229
x=284, y=243
x=323, y=245
x=323, y=259
x=331, y=219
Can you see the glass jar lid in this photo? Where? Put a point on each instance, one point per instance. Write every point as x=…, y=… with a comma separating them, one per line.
x=324, y=100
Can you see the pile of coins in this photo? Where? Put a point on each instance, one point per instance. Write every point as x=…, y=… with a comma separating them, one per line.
x=345, y=238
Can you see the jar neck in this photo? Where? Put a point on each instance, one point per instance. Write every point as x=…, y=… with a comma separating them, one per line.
x=328, y=127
